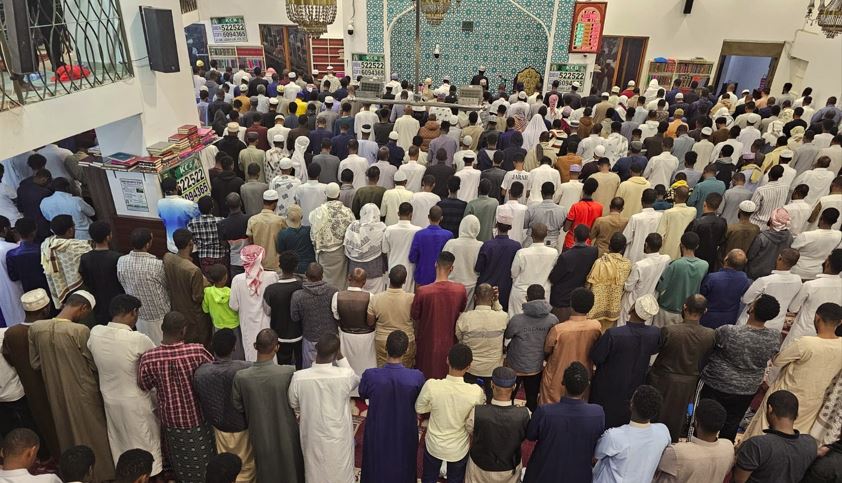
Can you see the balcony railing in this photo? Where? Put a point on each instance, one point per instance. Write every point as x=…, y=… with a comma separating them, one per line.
x=51, y=48
x=189, y=6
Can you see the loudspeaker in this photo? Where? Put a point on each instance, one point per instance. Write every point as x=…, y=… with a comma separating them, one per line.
x=159, y=33
x=688, y=6
x=21, y=56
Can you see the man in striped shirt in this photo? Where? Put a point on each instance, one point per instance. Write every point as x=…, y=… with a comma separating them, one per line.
x=769, y=197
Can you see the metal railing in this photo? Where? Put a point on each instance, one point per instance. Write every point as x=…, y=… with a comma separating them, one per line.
x=188, y=6
x=50, y=48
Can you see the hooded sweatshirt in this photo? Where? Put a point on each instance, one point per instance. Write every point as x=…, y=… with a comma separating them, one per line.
x=764, y=251
x=466, y=250
x=215, y=303
x=527, y=331
x=311, y=307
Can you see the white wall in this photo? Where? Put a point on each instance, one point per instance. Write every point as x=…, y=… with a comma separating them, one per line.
x=159, y=102
x=700, y=34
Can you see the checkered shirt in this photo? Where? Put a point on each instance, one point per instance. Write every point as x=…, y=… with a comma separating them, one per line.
x=141, y=274
x=206, y=236
x=169, y=370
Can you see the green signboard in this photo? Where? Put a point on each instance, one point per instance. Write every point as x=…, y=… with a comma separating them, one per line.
x=229, y=29
x=368, y=65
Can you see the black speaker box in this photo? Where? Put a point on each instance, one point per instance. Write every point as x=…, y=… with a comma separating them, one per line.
x=159, y=33
x=688, y=6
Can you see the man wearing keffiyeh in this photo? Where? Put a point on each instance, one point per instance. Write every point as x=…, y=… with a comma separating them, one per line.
x=60, y=255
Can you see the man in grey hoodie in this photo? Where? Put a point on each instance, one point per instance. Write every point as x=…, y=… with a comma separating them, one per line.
x=310, y=307
x=525, y=336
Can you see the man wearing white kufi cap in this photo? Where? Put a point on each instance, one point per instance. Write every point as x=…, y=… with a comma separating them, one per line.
x=330, y=77
x=15, y=341
x=644, y=276
x=328, y=223
x=621, y=357
x=59, y=349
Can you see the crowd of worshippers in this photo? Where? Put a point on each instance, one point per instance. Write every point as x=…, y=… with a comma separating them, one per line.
x=635, y=281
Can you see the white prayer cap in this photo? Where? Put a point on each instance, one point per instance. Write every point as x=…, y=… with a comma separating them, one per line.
x=576, y=84
x=315, y=72
x=418, y=108
x=395, y=76
x=291, y=75
x=330, y=68
x=332, y=191
x=615, y=89
x=87, y=296
x=521, y=95
x=604, y=94
x=753, y=118
x=599, y=151
x=707, y=131
x=393, y=136
x=366, y=128
x=469, y=156
x=204, y=88
x=787, y=154
x=631, y=84
x=233, y=127
x=679, y=96
x=400, y=177
x=747, y=206
x=273, y=101
x=285, y=163
x=245, y=77
x=746, y=91
x=467, y=140
x=279, y=116
x=646, y=306
x=482, y=68
x=428, y=81
x=446, y=79
x=35, y=300
x=505, y=215
x=329, y=100
x=270, y=195
x=278, y=138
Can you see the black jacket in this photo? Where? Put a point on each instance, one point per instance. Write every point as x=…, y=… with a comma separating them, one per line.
x=224, y=184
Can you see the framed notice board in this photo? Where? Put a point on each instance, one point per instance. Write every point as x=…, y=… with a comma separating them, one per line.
x=232, y=56
x=586, y=32
x=228, y=29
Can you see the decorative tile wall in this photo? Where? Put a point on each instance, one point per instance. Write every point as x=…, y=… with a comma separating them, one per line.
x=505, y=39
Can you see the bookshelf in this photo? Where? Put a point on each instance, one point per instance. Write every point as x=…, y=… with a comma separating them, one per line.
x=687, y=70
x=325, y=52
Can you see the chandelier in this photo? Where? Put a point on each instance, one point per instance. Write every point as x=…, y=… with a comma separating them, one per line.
x=313, y=16
x=434, y=10
x=828, y=16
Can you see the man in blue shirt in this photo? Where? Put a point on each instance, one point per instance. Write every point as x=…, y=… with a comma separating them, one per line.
x=174, y=211
x=61, y=202
x=24, y=262
x=632, y=451
x=566, y=433
x=724, y=290
x=426, y=246
x=494, y=261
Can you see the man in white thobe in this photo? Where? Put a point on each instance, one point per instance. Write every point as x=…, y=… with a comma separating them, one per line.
x=365, y=116
x=393, y=198
x=413, y=170
x=644, y=275
x=545, y=173
x=397, y=241
x=356, y=163
x=355, y=335
x=423, y=200
x=532, y=265
x=781, y=284
x=815, y=246
x=320, y=396
x=407, y=127
x=310, y=195
x=640, y=225
x=470, y=178
x=116, y=349
x=827, y=287
x=660, y=168
x=818, y=179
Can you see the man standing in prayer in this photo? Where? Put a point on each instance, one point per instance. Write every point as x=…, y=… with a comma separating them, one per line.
x=725, y=289
x=607, y=279
x=675, y=372
x=397, y=243
x=481, y=329
x=116, y=349
x=328, y=223
x=583, y=212
x=644, y=276
x=674, y=222
x=311, y=308
x=393, y=198
x=737, y=365
x=640, y=225
x=319, y=396
x=350, y=309
x=98, y=269
x=169, y=369
x=485, y=208
x=213, y=382
x=548, y=213
x=570, y=271
x=566, y=433
x=605, y=227
x=60, y=254
x=187, y=288
x=571, y=340
x=232, y=230
x=261, y=392
x=58, y=348
x=496, y=255
x=277, y=297
x=531, y=265
x=390, y=442
x=263, y=228
x=175, y=211
x=497, y=431
x=681, y=279
x=36, y=304
x=621, y=356
x=388, y=312
x=423, y=200
x=435, y=309
x=426, y=246
x=449, y=400
x=711, y=229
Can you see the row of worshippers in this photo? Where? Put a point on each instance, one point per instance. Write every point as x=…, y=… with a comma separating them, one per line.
x=209, y=403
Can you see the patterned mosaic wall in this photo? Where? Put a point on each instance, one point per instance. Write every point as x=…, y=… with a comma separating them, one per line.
x=505, y=39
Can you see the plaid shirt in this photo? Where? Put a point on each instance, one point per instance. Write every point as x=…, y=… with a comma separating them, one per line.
x=206, y=236
x=169, y=370
x=141, y=274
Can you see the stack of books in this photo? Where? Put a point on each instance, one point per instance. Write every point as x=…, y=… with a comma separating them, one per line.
x=149, y=164
x=120, y=162
x=180, y=142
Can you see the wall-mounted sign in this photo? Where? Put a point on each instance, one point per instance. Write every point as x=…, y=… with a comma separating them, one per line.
x=586, y=33
x=229, y=29
x=566, y=75
x=232, y=56
x=368, y=65
x=190, y=176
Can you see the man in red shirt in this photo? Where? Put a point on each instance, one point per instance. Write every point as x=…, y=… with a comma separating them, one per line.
x=585, y=212
x=169, y=370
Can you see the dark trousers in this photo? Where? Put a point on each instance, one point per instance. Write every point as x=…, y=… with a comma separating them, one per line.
x=16, y=414
x=289, y=353
x=531, y=386
x=483, y=382
x=735, y=406
x=432, y=465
